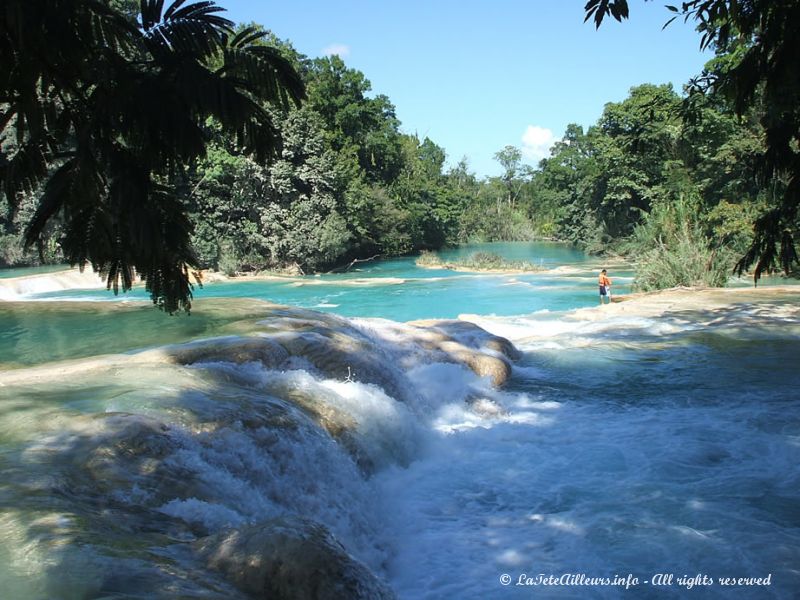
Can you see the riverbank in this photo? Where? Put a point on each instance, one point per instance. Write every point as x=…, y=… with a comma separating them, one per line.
x=484, y=270
x=704, y=306
x=478, y=262
x=673, y=309
x=17, y=288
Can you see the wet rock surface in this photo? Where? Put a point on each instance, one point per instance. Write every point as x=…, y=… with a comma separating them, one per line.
x=246, y=460
x=290, y=558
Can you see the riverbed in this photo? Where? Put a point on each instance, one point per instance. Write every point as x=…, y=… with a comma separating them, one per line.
x=651, y=437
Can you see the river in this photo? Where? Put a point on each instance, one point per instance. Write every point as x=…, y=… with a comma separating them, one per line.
x=627, y=446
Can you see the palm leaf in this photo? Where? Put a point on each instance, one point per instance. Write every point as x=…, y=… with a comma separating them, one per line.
x=224, y=99
x=194, y=29
x=246, y=37
x=153, y=111
x=151, y=12
x=265, y=72
x=75, y=183
x=110, y=116
x=27, y=168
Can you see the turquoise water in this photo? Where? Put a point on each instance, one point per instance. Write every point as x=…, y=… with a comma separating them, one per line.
x=40, y=332
x=394, y=289
x=6, y=273
x=397, y=289
x=622, y=445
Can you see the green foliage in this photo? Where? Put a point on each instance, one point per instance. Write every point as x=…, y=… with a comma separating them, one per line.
x=356, y=124
x=301, y=221
x=477, y=261
x=621, y=187
x=421, y=193
x=632, y=142
x=499, y=208
x=485, y=221
x=672, y=250
x=13, y=252
x=757, y=44
x=730, y=226
x=374, y=220
x=510, y=158
x=286, y=214
x=564, y=189
x=152, y=149
x=107, y=115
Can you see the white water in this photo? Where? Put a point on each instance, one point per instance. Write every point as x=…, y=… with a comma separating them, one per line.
x=635, y=449
x=629, y=447
x=624, y=445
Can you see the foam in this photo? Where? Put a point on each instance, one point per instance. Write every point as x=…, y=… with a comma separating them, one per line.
x=16, y=288
x=632, y=444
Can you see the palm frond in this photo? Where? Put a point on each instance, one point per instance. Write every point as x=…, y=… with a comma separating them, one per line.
x=246, y=37
x=152, y=239
x=26, y=169
x=265, y=72
x=194, y=29
x=74, y=184
x=108, y=113
x=151, y=12
x=224, y=99
x=152, y=111
x=204, y=9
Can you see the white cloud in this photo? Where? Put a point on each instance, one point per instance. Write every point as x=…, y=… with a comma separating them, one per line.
x=536, y=143
x=341, y=50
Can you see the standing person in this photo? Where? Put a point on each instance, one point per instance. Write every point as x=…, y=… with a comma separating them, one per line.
x=605, y=286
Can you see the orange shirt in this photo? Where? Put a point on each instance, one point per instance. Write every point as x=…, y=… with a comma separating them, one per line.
x=604, y=280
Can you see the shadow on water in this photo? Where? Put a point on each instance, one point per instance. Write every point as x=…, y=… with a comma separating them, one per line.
x=112, y=476
x=116, y=468
x=743, y=319
x=111, y=504
x=40, y=332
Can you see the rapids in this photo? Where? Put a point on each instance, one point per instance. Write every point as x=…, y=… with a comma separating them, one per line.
x=234, y=452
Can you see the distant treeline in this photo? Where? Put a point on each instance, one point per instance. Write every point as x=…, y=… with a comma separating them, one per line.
x=665, y=179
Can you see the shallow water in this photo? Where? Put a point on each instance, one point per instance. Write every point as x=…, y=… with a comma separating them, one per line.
x=6, y=273
x=625, y=451
x=627, y=446
x=397, y=289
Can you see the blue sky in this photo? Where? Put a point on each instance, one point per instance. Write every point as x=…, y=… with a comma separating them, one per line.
x=477, y=75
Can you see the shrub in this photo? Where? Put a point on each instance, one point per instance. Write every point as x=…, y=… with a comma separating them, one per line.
x=670, y=250
x=478, y=261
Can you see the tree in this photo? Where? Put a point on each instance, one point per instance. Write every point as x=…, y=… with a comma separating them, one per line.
x=108, y=115
x=284, y=215
x=565, y=188
x=366, y=128
x=420, y=193
x=510, y=158
x=632, y=141
x=761, y=39
x=301, y=220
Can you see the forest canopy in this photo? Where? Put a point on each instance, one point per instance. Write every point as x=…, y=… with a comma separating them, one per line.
x=152, y=140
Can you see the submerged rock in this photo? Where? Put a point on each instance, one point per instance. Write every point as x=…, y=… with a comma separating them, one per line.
x=294, y=415
x=461, y=342
x=290, y=558
x=373, y=351
x=234, y=349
